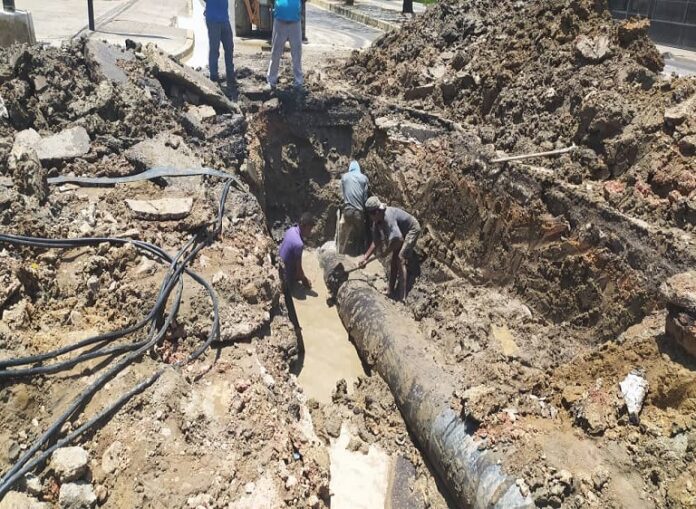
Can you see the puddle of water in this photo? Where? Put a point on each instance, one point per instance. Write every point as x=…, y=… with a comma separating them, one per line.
x=358, y=481
x=329, y=355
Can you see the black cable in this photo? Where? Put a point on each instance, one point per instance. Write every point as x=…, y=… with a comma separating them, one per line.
x=23, y=465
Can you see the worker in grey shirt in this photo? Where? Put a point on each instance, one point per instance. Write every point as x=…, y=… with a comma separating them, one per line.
x=354, y=188
x=394, y=231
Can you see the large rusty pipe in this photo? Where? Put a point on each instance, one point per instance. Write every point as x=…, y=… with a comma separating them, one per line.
x=388, y=341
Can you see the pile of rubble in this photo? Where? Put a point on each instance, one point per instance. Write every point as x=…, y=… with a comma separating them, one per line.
x=537, y=76
x=96, y=111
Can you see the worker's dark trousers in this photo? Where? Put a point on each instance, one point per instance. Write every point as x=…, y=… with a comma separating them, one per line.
x=220, y=32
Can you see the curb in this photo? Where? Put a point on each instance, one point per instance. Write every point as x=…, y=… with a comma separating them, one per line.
x=187, y=50
x=349, y=13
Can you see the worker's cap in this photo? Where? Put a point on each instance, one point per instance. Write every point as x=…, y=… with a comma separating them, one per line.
x=373, y=204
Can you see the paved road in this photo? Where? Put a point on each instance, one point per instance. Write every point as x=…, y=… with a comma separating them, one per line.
x=59, y=20
x=329, y=35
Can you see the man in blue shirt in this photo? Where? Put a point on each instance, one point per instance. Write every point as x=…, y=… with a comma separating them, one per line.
x=287, y=26
x=217, y=17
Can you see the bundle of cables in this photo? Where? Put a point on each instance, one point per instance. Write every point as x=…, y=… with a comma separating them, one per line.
x=154, y=325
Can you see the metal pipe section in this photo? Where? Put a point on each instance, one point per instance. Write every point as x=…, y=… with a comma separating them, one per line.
x=388, y=341
x=90, y=14
x=8, y=5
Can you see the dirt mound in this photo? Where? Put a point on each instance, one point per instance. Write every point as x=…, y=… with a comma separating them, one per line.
x=536, y=76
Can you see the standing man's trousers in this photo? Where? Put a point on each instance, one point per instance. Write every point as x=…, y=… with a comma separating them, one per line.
x=286, y=31
x=220, y=32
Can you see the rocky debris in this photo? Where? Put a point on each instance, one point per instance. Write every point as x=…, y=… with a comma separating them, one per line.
x=69, y=463
x=64, y=146
x=594, y=49
x=679, y=113
x=164, y=209
x=114, y=458
x=77, y=496
x=3, y=109
x=165, y=149
x=16, y=500
x=103, y=61
x=33, y=485
x=28, y=175
x=679, y=292
x=633, y=389
x=200, y=87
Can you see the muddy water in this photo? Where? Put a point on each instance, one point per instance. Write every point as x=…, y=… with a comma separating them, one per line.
x=329, y=355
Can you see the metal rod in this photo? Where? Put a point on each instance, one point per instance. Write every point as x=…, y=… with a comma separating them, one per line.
x=90, y=13
x=536, y=154
x=9, y=5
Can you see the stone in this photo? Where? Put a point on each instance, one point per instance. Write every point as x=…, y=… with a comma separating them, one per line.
x=169, y=72
x=202, y=500
x=680, y=112
x=503, y=337
x=113, y=458
x=77, y=496
x=687, y=145
x=3, y=109
x=419, y=92
x=40, y=83
x=679, y=291
x=102, y=494
x=593, y=49
x=64, y=146
x=103, y=61
x=202, y=112
x=16, y=500
x=33, y=485
x=69, y=463
x=612, y=189
x=163, y=150
x=681, y=327
x=631, y=29
x=164, y=209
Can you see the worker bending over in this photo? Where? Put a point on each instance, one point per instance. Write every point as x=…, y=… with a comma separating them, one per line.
x=287, y=26
x=354, y=188
x=291, y=256
x=394, y=231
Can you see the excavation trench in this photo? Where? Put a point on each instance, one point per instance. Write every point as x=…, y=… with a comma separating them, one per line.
x=511, y=259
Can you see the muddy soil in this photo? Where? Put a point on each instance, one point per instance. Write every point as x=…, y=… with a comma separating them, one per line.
x=536, y=283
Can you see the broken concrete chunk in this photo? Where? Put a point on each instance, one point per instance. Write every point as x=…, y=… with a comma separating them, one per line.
x=102, y=60
x=77, y=496
x=419, y=92
x=681, y=327
x=28, y=176
x=16, y=500
x=69, y=463
x=594, y=49
x=687, y=145
x=633, y=389
x=677, y=114
x=170, y=72
x=3, y=109
x=163, y=150
x=66, y=145
x=679, y=291
x=164, y=209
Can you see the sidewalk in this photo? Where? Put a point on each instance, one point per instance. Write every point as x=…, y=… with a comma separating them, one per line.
x=383, y=14
x=143, y=21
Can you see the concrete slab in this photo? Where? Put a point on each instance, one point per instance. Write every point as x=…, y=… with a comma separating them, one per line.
x=164, y=209
x=163, y=150
x=170, y=72
x=64, y=146
x=103, y=61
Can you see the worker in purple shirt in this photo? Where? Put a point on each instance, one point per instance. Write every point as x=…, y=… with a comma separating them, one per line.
x=217, y=18
x=291, y=251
